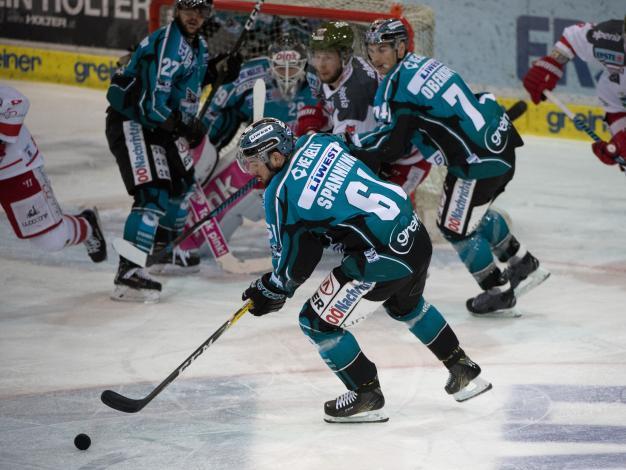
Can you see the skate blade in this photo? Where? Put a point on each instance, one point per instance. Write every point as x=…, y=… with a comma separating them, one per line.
x=366, y=417
x=172, y=270
x=126, y=294
x=533, y=280
x=512, y=312
x=473, y=389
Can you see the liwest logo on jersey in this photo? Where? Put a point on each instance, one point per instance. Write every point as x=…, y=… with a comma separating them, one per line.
x=607, y=56
x=458, y=208
x=320, y=171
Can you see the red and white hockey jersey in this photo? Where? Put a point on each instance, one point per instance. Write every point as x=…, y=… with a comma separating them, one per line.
x=18, y=150
x=603, y=44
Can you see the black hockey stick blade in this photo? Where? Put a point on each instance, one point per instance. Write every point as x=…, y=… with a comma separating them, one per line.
x=129, y=405
x=517, y=109
x=121, y=403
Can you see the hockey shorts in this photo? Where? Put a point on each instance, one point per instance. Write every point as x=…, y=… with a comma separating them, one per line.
x=338, y=295
x=465, y=202
x=149, y=157
x=30, y=204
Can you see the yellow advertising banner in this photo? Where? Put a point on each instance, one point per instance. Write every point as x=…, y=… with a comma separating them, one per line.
x=46, y=65
x=74, y=68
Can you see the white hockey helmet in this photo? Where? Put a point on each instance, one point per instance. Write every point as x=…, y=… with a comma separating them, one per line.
x=13, y=109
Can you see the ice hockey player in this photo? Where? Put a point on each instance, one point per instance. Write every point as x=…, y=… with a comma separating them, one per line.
x=316, y=192
x=423, y=101
x=603, y=44
x=151, y=126
x=348, y=83
x=26, y=193
x=284, y=72
x=287, y=90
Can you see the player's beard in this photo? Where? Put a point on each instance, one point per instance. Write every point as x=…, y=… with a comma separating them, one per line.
x=335, y=77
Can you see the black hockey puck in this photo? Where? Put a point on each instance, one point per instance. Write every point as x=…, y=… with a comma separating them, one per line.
x=82, y=441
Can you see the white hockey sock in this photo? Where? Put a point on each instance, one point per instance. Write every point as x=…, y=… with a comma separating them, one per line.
x=78, y=229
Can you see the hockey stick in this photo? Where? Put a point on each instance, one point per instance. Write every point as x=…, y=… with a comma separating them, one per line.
x=258, y=100
x=517, y=109
x=129, y=251
x=581, y=125
x=220, y=77
x=129, y=405
x=218, y=245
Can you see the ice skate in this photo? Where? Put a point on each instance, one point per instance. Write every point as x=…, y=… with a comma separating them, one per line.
x=464, y=381
x=494, y=302
x=133, y=284
x=526, y=274
x=96, y=244
x=361, y=406
x=179, y=262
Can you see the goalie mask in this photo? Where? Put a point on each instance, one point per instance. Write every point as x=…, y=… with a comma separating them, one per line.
x=262, y=137
x=287, y=66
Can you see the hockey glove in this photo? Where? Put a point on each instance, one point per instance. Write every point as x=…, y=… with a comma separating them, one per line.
x=265, y=296
x=543, y=75
x=225, y=66
x=611, y=152
x=310, y=118
x=194, y=131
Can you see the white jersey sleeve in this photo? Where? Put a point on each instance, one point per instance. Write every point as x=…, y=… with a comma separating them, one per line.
x=574, y=43
x=19, y=157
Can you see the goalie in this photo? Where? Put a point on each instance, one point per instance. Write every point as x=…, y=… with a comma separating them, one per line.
x=287, y=90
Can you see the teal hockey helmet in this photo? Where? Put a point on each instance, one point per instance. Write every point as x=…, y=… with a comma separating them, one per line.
x=386, y=30
x=262, y=137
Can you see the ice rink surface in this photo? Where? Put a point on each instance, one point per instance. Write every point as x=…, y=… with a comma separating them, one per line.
x=254, y=399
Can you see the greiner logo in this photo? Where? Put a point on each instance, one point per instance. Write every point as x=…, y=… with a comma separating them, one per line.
x=102, y=71
x=21, y=62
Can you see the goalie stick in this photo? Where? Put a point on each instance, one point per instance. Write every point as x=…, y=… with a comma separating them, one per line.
x=129, y=251
x=582, y=125
x=258, y=100
x=129, y=405
x=216, y=241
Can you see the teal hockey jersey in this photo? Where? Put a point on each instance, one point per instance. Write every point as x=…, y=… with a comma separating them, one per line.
x=425, y=103
x=325, y=192
x=165, y=74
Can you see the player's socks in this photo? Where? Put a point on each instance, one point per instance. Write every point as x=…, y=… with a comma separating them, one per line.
x=363, y=405
x=464, y=381
x=133, y=284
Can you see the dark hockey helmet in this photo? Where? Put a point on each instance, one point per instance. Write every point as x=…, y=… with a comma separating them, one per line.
x=287, y=65
x=333, y=36
x=262, y=137
x=386, y=30
x=205, y=6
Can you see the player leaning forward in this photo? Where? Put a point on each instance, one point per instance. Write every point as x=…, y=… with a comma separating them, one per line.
x=151, y=126
x=317, y=193
x=423, y=101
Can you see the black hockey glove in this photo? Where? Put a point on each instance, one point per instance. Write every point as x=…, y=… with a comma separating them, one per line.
x=224, y=66
x=265, y=296
x=194, y=131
